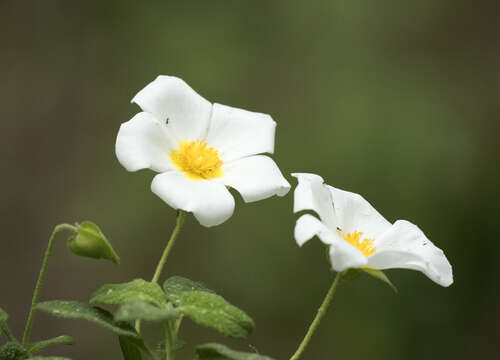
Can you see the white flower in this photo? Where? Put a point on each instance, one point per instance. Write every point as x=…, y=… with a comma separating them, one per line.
x=359, y=237
x=199, y=149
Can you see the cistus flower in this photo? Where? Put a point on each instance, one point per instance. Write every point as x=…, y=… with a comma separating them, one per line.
x=359, y=237
x=199, y=149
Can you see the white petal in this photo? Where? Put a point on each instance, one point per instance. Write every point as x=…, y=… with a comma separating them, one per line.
x=354, y=213
x=342, y=254
x=405, y=246
x=345, y=256
x=312, y=194
x=307, y=227
x=171, y=99
x=237, y=133
x=209, y=201
x=255, y=177
x=143, y=142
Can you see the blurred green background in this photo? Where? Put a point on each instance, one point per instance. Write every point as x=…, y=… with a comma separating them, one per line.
x=396, y=100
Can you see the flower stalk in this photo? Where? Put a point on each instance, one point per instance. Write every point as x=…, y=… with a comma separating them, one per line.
x=181, y=216
x=321, y=313
x=180, y=221
x=41, y=278
x=170, y=341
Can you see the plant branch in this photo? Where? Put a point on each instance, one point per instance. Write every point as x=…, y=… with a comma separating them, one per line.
x=41, y=278
x=321, y=313
x=181, y=215
x=180, y=221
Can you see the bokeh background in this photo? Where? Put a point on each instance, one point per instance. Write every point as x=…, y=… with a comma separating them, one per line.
x=396, y=100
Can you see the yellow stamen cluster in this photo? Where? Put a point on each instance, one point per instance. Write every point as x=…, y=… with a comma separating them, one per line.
x=197, y=160
x=365, y=245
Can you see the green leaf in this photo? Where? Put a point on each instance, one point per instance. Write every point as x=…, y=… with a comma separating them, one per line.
x=131, y=349
x=13, y=351
x=214, y=351
x=60, y=340
x=89, y=241
x=175, y=286
x=381, y=276
x=77, y=310
x=212, y=310
x=140, y=310
x=135, y=290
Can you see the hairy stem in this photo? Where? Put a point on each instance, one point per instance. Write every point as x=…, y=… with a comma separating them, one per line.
x=170, y=340
x=150, y=353
x=6, y=331
x=181, y=215
x=180, y=221
x=321, y=313
x=41, y=278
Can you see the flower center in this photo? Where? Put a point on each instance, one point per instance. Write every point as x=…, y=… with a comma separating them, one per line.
x=365, y=245
x=197, y=160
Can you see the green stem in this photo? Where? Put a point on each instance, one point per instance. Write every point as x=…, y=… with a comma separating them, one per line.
x=41, y=278
x=180, y=220
x=170, y=340
x=6, y=331
x=321, y=313
x=150, y=353
x=181, y=215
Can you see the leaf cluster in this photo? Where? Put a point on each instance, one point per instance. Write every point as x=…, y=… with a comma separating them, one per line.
x=140, y=300
x=14, y=350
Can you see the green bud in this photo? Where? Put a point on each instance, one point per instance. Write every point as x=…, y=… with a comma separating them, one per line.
x=13, y=351
x=89, y=241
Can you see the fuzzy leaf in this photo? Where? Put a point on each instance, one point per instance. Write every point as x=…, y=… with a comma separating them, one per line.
x=77, y=310
x=13, y=351
x=175, y=286
x=131, y=348
x=135, y=290
x=381, y=276
x=60, y=340
x=212, y=310
x=214, y=351
x=89, y=241
x=140, y=310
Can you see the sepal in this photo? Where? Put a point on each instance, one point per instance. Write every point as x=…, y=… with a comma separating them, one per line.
x=380, y=275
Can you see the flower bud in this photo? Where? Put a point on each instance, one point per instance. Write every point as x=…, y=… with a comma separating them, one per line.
x=89, y=241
